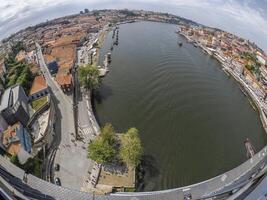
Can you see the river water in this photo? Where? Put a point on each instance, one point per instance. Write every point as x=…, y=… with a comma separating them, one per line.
x=192, y=117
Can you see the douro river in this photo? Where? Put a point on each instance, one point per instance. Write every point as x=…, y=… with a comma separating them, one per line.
x=193, y=118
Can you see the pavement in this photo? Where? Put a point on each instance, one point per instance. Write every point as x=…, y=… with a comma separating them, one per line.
x=88, y=129
x=71, y=155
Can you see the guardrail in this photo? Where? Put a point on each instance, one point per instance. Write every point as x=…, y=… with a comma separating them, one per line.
x=226, y=183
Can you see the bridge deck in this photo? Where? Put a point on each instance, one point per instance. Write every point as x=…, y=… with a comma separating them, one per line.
x=233, y=179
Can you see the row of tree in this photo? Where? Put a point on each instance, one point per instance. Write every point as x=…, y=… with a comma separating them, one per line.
x=18, y=71
x=252, y=63
x=109, y=147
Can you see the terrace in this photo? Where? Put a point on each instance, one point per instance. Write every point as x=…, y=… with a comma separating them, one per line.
x=39, y=103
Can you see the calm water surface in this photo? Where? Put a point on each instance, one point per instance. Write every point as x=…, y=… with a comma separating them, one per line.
x=192, y=117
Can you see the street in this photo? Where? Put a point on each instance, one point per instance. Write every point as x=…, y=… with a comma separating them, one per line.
x=71, y=155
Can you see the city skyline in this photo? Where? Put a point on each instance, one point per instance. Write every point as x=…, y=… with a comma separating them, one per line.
x=244, y=18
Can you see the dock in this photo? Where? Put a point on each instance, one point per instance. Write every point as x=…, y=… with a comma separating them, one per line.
x=103, y=70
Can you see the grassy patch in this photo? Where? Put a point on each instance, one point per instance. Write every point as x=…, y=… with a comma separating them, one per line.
x=38, y=103
x=129, y=190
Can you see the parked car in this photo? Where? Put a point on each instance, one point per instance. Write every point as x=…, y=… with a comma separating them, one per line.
x=57, y=181
x=56, y=167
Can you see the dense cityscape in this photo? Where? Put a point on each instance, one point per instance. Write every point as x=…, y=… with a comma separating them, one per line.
x=46, y=118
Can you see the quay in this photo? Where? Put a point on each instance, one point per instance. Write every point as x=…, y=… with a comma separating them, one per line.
x=245, y=88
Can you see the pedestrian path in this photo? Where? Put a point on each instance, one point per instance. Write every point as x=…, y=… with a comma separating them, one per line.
x=87, y=131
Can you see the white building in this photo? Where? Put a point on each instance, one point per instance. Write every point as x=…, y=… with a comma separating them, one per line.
x=261, y=59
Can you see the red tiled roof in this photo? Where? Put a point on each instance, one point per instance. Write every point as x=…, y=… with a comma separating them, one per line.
x=65, y=79
x=38, y=84
x=13, y=145
x=21, y=56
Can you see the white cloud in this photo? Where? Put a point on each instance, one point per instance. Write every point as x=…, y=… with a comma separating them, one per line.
x=246, y=15
x=11, y=8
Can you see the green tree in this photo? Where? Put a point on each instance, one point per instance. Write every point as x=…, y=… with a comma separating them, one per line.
x=131, y=149
x=18, y=71
x=15, y=160
x=101, y=151
x=17, y=48
x=249, y=67
x=89, y=76
x=25, y=78
x=108, y=134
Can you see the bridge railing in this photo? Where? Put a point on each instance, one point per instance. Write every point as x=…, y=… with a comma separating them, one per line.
x=233, y=179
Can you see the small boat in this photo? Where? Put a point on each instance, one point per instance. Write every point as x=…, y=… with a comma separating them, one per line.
x=180, y=44
x=108, y=58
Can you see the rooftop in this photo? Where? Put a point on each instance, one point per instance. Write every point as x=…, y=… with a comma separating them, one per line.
x=64, y=79
x=11, y=140
x=9, y=97
x=38, y=84
x=21, y=55
x=40, y=125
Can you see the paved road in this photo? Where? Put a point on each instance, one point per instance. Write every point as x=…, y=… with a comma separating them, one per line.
x=71, y=156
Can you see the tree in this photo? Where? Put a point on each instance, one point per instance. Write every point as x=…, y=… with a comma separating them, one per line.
x=249, y=67
x=131, y=149
x=101, y=151
x=17, y=48
x=89, y=76
x=15, y=160
x=25, y=79
x=108, y=134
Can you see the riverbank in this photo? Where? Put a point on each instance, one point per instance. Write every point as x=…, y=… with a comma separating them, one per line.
x=101, y=37
x=220, y=95
x=261, y=105
x=103, y=179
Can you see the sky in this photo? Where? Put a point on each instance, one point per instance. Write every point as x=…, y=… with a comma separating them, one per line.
x=245, y=18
